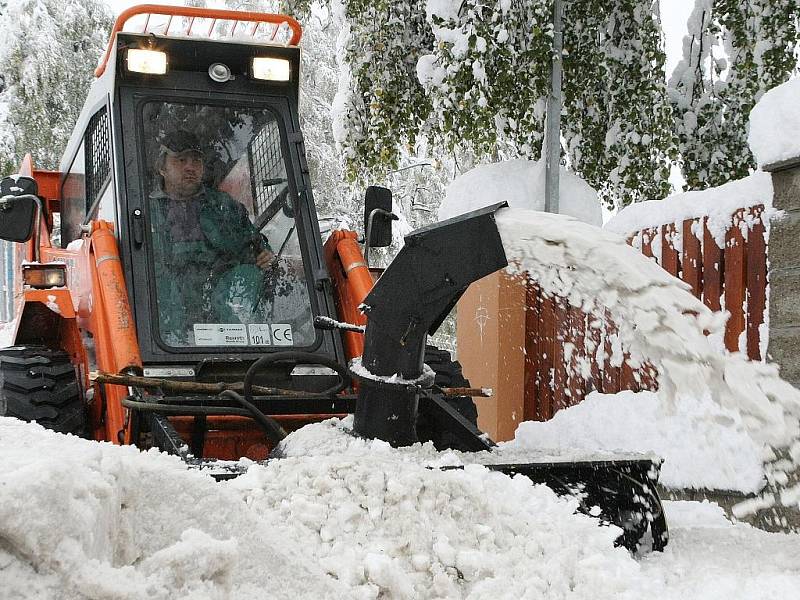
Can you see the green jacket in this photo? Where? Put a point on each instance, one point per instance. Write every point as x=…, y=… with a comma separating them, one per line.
x=194, y=247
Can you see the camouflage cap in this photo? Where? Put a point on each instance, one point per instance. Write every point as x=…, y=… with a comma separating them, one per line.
x=180, y=141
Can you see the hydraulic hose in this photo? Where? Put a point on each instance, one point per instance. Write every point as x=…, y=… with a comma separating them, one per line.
x=271, y=427
x=300, y=358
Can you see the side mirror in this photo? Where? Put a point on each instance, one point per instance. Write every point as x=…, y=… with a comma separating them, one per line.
x=17, y=208
x=378, y=217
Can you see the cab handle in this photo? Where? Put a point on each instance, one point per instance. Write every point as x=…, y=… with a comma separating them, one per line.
x=138, y=227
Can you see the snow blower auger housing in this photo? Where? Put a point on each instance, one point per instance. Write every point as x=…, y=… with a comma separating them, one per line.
x=189, y=303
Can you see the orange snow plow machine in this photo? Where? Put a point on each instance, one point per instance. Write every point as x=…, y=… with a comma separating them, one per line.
x=171, y=288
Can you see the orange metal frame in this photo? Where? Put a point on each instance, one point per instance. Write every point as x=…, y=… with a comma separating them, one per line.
x=199, y=13
x=96, y=300
x=352, y=281
x=96, y=295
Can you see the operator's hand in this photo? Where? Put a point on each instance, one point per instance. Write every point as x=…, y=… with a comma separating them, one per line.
x=265, y=260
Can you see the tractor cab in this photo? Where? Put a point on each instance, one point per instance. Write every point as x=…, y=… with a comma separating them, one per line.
x=190, y=143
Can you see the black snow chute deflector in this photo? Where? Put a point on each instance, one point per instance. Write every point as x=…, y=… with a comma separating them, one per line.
x=409, y=301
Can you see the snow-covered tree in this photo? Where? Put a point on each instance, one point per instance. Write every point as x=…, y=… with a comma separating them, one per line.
x=482, y=76
x=618, y=123
x=47, y=59
x=734, y=52
x=380, y=101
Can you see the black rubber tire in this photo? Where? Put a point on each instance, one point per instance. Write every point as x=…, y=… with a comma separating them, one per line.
x=448, y=374
x=40, y=384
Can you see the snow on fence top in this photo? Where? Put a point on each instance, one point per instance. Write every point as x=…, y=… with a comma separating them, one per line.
x=774, y=134
x=718, y=204
x=521, y=184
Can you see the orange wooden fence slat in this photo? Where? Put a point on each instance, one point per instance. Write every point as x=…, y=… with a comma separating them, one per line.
x=692, y=258
x=713, y=259
x=560, y=397
x=647, y=241
x=756, y=283
x=669, y=255
x=626, y=378
x=577, y=336
x=544, y=355
x=533, y=322
x=735, y=281
x=611, y=374
x=595, y=335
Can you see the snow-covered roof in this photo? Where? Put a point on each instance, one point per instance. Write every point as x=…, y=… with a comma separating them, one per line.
x=774, y=134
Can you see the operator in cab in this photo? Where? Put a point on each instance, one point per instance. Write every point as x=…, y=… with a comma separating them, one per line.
x=206, y=250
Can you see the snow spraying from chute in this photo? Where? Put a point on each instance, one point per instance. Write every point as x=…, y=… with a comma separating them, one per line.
x=657, y=317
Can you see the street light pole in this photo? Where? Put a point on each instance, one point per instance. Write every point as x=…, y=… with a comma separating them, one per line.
x=553, y=122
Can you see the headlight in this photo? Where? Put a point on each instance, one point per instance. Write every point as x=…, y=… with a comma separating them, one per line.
x=45, y=276
x=272, y=69
x=153, y=62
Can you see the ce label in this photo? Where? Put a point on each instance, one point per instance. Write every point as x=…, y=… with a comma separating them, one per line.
x=281, y=334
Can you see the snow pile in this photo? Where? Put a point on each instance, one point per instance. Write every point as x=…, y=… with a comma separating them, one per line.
x=81, y=519
x=775, y=125
x=703, y=445
x=521, y=183
x=339, y=517
x=718, y=204
x=380, y=521
x=658, y=319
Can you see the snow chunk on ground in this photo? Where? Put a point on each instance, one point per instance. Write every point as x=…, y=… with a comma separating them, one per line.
x=774, y=135
x=718, y=204
x=521, y=183
x=339, y=517
x=101, y=521
x=378, y=516
x=703, y=445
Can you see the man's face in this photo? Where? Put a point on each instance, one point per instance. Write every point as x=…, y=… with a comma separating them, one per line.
x=183, y=174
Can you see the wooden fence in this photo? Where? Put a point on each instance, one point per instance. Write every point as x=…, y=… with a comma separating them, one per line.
x=568, y=353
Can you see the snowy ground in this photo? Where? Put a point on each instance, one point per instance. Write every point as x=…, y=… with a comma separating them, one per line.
x=340, y=518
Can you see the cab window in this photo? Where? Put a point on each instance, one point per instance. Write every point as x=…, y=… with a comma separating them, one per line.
x=223, y=241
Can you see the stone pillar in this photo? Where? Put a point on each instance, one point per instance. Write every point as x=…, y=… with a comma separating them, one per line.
x=784, y=272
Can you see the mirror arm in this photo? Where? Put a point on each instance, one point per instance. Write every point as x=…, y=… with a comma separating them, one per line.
x=5, y=203
x=368, y=232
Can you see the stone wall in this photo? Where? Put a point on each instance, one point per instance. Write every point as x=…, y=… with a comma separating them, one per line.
x=784, y=274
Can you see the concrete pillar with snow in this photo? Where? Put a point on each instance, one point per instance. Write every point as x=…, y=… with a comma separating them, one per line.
x=775, y=141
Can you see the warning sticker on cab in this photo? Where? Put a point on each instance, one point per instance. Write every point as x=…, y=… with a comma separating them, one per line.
x=220, y=334
x=260, y=334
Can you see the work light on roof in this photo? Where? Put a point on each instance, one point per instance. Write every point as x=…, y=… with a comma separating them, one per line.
x=153, y=62
x=271, y=69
